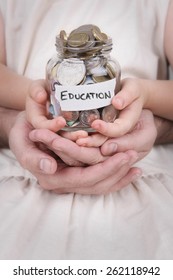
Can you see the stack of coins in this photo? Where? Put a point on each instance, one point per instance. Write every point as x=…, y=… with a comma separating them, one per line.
x=84, y=60
x=84, y=42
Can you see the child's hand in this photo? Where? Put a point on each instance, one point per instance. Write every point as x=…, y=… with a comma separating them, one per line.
x=129, y=101
x=82, y=138
x=37, y=111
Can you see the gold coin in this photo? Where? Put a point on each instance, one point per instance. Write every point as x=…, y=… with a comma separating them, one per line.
x=104, y=37
x=87, y=28
x=54, y=71
x=78, y=39
x=99, y=79
x=51, y=69
x=63, y=37
x=99, y=35
x=85, y=55
x=110, y=71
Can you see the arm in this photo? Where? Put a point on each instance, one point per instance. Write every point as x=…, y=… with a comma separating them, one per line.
x=13, y=87
x=155, y=95
x=7, y=120
x=164, y=131
x=2, y=41
x=168, y=39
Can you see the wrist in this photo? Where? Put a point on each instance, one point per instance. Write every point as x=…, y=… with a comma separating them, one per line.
x=7, y=120
x=164, y=131
x=13, y=84
x=146, y=85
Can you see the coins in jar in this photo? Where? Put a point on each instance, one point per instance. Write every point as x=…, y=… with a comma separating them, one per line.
x=83, y=77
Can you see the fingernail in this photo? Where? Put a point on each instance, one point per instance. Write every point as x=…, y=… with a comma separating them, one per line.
x=112, y=147
x=40, y=93
x=119, y=102
x=45, y=165
x=133, y=159
x=96, y=126
x=136, y=177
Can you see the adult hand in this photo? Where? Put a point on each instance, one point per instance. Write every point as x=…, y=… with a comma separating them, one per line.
x=29, y=154
x=101, y=175
x=107, y=175
x=102, y=178
x=141, y=138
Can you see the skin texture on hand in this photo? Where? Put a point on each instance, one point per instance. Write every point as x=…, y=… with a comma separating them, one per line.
x=106, y=175
x=93, y=173
x=29, y=155
x=7, y=120
x=164, y=131
x=37, y=103
x=129, y=103
x=141, y=138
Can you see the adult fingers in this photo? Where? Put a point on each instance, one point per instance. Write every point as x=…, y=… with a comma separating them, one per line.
x=26, y=152
x=73, y=135
x=93, y=140
x=48, y=138
x=141, y=139
x=132, y=175
x=120, y=177
x=66, y=148
x=85, y=177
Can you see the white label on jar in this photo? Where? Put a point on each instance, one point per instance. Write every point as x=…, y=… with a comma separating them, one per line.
x=85, y=97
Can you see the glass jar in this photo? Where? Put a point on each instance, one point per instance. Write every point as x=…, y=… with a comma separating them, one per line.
x=83, y=78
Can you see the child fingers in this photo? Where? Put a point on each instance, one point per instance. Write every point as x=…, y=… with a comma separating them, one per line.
x=54, y=124
x=37, y=115
x=95, y=140
x=123, y=124
x=132, y=175
x=38, y=91
x=128, y=94
x=73, y=136
x=62, y=146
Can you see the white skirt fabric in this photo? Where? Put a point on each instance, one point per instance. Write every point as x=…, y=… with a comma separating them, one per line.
x=133, y=223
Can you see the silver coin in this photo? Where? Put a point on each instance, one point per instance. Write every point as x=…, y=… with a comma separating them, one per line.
x=88, y=80
x=71, y=72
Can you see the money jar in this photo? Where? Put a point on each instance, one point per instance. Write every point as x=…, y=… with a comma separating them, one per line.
x=83, y=78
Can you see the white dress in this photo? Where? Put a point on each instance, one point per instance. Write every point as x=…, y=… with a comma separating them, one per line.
x=134, y=223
